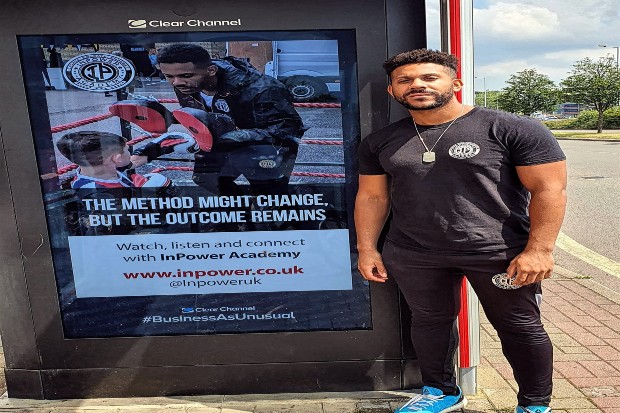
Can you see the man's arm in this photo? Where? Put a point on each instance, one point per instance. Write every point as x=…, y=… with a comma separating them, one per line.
x=547, y=185
x=274, y=116
x=372, y=206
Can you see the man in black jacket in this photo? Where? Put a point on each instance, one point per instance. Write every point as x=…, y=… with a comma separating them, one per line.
x=256, y=130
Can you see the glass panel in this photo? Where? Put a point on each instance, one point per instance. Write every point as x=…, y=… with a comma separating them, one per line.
x=235, y=213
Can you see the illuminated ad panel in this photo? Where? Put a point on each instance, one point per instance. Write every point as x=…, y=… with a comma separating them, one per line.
x=198, y=183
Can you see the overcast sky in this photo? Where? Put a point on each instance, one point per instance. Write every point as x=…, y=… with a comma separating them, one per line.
x=546, y=35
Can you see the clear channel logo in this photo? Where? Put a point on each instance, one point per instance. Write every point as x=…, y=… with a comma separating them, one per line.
x=137, y=24
x=143, y=24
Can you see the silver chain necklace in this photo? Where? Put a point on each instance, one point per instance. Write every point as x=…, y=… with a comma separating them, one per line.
x=429, y=155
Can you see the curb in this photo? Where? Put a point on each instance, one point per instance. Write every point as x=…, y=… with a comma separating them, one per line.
x=588, y=139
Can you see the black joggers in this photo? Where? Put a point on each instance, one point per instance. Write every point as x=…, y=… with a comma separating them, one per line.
x=431, y=283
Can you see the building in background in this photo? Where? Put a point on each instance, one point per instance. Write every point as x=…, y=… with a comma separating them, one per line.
x=569, y=109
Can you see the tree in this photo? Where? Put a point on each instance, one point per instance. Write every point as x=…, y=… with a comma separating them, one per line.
x=528, y=92
x=492, y=99
x=594, y=83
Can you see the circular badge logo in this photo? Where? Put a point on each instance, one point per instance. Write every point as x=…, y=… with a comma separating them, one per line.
x=267, y=164
x=464, y=150
x=504, y=282
x=222, y=105
x=98, y=72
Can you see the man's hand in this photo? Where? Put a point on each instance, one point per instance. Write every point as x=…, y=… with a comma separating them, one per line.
x=530, y=266
x=370, y=265
x=238, y=136
x=205, y=126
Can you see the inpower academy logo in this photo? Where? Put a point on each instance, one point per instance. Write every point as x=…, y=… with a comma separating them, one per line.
x=98, y=72
x=144, y=24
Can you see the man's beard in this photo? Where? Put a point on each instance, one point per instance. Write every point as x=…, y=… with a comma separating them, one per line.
x=440, y=100
x=192, y=88
x=187, y=90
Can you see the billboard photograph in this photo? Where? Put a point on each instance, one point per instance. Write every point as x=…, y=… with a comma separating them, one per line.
x=199, y=183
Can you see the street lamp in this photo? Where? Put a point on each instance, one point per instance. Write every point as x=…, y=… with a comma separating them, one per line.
x=484, y=87
x=617, y=60
x=617, y=52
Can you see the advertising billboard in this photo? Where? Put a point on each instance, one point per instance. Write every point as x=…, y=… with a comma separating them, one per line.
x=192, y=188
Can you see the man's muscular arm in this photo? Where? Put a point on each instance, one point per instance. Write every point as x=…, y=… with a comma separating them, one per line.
x=547, y=185
x=372, y=206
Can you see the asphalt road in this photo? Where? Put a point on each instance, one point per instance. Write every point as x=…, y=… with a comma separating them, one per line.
x=593, y=211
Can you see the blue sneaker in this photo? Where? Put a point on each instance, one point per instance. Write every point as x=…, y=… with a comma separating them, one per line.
x=533, y=409
x=433, y=400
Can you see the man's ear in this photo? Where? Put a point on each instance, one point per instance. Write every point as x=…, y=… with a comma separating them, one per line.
x=457, y=84
x=389, y=90
x=212, y=70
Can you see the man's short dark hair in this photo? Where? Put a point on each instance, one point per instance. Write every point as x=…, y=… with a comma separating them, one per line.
x=422, y=56
x=90, y=147
x=184, y=53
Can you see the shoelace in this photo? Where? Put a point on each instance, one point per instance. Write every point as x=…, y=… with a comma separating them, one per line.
x=538, y=410
x=423, y=400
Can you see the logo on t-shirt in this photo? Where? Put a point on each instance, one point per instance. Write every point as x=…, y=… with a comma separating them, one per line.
x=222, y=105
x=267, y=164
x=464, y=150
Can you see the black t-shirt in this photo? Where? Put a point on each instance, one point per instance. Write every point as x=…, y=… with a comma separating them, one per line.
x=469, y=199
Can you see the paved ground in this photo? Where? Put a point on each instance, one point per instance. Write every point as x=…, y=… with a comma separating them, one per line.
x=581, y=316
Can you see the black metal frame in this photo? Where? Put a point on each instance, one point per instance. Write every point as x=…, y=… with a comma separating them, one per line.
x=41, y=363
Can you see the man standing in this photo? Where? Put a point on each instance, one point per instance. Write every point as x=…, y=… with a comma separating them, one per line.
x=256, y=130
x=473, y=192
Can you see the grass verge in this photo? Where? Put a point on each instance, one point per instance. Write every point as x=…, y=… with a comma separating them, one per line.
x=608, y=136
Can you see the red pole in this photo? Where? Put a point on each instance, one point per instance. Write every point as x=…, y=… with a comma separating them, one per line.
x=456, y=49
x=455, y=37
x=464, y=345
